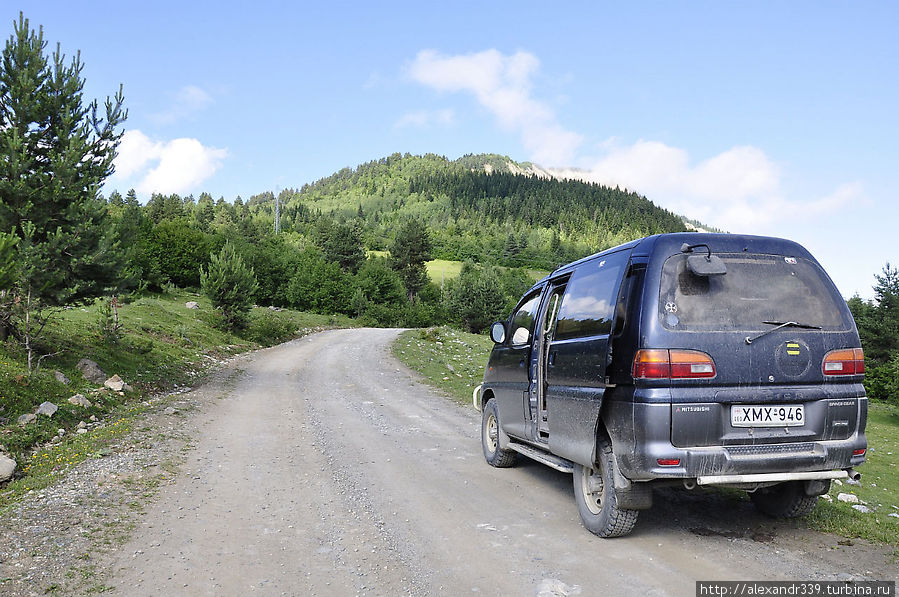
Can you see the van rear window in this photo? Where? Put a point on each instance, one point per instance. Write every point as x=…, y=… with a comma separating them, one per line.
x=755, y=289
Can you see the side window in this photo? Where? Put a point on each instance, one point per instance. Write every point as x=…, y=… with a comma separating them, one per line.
x=522, y=323
x=588, y=306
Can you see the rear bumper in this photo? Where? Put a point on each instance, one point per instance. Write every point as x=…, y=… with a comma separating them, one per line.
x=740, y=461
x=650, y=453
x=770, y=477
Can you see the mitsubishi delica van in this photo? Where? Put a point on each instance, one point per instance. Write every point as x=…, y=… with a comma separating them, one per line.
x=689, y=359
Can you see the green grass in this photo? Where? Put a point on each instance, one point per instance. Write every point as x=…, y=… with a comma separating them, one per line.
x=430, y=351
x=47, y=464
x=441, y=269
x=161, y=344
x=449, y=359
x=879, y=488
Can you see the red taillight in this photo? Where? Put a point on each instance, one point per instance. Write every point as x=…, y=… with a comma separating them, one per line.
x=846, y=361
x=668, y=461
x=672, y=364
x=652, y=364
x=859, y=452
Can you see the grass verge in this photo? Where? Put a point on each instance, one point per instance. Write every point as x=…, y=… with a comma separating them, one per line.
x=454, y=362
x=449, y=359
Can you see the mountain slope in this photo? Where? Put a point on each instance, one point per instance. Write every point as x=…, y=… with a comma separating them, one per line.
x=484, y=208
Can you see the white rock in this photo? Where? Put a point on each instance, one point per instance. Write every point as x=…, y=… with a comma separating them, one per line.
x=114, y=383
x=827, y=498
x=81, y=425
x=26, y=418
x=848, y=498
x=853, y=482
x=170, y=411
x=837, y=482
x=192, y=305
x=60, y=432
x=893, y=515
x=80, y=400
x=81, y=431
x=61, y=377
x=7, y=467
x=48, y=409
x=862, y=509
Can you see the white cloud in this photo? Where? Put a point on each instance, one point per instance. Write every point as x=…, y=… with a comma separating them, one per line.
x=502, y=85
x=426, y=119
x=135, y=151
x=176, y=166
x=740, y=190
x=193, y=98
x=186, y=102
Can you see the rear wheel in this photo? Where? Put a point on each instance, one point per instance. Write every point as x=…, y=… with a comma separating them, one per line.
x=490, y=430
x=594, y=492
x=784, y=500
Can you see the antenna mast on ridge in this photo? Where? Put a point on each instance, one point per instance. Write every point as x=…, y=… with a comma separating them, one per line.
x=277, y=210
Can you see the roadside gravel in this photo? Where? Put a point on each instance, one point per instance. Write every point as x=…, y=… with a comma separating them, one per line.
x=51, y=542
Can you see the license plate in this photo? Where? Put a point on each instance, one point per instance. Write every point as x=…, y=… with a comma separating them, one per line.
x=774, y=415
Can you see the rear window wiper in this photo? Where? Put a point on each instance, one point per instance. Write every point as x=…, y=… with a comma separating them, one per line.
x=780, y=325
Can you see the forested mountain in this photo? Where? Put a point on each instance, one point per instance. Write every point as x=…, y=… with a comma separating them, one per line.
x=484, y=208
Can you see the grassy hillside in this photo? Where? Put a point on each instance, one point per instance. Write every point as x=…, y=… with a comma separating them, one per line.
x=161, y=345
x=482, y=208
x=454, y=362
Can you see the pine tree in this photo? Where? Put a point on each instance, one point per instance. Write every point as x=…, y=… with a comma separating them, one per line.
x=341, y=243
x=7, y=260
x=408, y=254
x=230, y=285
x=55, y=153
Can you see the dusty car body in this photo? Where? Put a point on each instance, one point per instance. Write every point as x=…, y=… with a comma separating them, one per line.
x=695, y=359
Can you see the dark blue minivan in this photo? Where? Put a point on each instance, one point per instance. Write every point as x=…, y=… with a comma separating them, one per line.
x=689, y=358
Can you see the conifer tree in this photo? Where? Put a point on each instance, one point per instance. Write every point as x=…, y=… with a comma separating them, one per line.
x=230, y=284
x=408, y=254
x=55, y=153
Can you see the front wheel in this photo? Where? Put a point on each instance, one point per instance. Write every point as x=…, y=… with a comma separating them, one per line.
x=784, y=500
x=594, y=492
x=490, y=431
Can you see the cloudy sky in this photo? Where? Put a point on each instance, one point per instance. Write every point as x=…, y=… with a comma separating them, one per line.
x=774, y=118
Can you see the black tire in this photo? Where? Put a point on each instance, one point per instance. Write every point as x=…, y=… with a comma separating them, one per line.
x=784, y=500
x=494, y=455
x=597, y=504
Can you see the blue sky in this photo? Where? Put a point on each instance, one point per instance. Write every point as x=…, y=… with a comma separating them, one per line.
x=773, y=118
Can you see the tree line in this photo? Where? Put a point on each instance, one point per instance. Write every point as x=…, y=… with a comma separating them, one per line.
x=501, y=217
x=878, y=326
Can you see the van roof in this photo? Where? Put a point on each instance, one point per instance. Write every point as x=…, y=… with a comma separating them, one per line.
x=670, y=243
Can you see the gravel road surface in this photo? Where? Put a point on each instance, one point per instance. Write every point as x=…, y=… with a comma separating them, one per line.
x=327, y=468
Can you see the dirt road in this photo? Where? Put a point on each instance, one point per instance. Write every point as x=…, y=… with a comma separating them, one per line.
x=329, y=470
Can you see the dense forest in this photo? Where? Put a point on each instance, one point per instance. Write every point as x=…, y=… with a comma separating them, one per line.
x=481, y=208
x=355, y=242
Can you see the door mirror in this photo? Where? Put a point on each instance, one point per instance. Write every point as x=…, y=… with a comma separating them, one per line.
x=498, y=332
x=521, y=336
